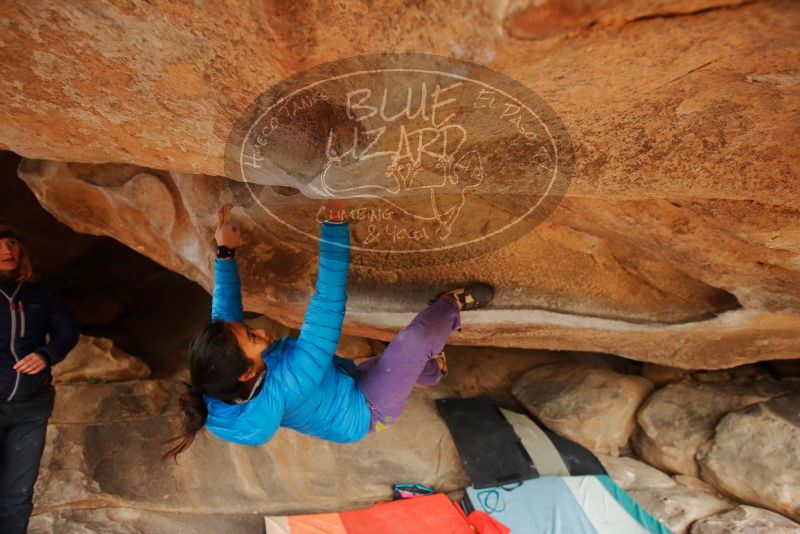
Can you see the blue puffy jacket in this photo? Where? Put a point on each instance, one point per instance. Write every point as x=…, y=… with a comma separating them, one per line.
x=303, y=389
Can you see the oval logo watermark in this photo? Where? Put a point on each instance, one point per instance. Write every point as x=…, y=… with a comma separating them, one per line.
x=441, y=160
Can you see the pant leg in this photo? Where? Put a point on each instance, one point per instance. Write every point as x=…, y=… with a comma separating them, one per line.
x=430, y=375
x=388, y=384
x=23, y=445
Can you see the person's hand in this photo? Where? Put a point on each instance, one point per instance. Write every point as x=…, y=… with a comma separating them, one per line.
x=31, y=364
x=335, y=209
x=227, y=235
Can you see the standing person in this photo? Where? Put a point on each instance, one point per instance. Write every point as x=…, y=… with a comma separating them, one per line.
x=245, y=385
x=29, y=312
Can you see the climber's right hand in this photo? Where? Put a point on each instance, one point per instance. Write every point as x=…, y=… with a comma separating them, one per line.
x=227, y=234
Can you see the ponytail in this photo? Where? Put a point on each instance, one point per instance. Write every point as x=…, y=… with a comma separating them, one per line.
x=215, y=364
x=195, y=413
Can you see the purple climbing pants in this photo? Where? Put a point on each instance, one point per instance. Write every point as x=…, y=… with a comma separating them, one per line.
x=387, y=381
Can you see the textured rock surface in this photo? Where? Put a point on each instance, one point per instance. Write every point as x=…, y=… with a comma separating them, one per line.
x=678, y=507
x=661, y=375
x=96, y=359
x=680, y=237
x=631, y=474
x=746, y=520
x=695, y=484
x=592, y=406
x=677, y=419
x=492, y=371
x=133, y=521
x=105, y=442
x=755, y=455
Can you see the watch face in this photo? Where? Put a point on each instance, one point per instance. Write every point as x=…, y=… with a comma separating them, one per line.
x=225, y=252
x=440, y=160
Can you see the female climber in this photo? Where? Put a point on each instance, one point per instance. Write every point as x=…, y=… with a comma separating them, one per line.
x=245, y=385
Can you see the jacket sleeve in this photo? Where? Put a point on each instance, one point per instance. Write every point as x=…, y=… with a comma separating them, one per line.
x=319, y=335
x=61, y=329
x=252, y=423
x=226, y=299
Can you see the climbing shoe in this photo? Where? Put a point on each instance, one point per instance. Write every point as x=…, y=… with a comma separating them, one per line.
x=441, y=361
x=470, y=297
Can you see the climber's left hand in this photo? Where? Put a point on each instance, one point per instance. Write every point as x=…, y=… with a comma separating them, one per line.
x=335, y=209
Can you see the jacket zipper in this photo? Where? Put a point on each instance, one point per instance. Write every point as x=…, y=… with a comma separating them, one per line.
x=13, y=334
x=21, y=309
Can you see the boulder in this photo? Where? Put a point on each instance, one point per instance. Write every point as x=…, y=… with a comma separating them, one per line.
x=632, y=474
x=593, y=406
x=97, y=360
x=674, y=244
x=136, y=521
x=678, y=507
x=695, y=484
x=678, y=418
x=79, y=403
x=751, y=371
x=354, y=347
x=755, y=455
x=273, y=327
x=105, y=442
x=661, y=375
x=492, y=371
x=745, y=520
x=277, y=276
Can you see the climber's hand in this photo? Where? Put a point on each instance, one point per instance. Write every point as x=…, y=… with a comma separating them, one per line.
x=227, y=235
x=335, y=209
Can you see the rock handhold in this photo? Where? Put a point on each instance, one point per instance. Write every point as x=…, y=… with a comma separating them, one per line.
x=590, y=405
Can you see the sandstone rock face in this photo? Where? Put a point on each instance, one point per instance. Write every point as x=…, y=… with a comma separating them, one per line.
x=695, y=484
x=278, y=276
x=592, y=406
x=97, y=360
x=354, y=347
x=492, y=371
x=677, y=243
x=661, y=375
x=745, y=520
x=755, y=455
x=678, y=507
x=134, y=521
x=632, y=474
x=105, y=443
x=677, y=419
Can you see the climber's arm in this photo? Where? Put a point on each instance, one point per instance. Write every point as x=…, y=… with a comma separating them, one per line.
x=226, y=299
x=322, y=325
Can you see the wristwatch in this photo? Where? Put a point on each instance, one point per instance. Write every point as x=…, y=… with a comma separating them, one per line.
x=224, y=252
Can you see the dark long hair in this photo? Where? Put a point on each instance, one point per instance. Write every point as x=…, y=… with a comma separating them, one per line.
x=215, y=363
